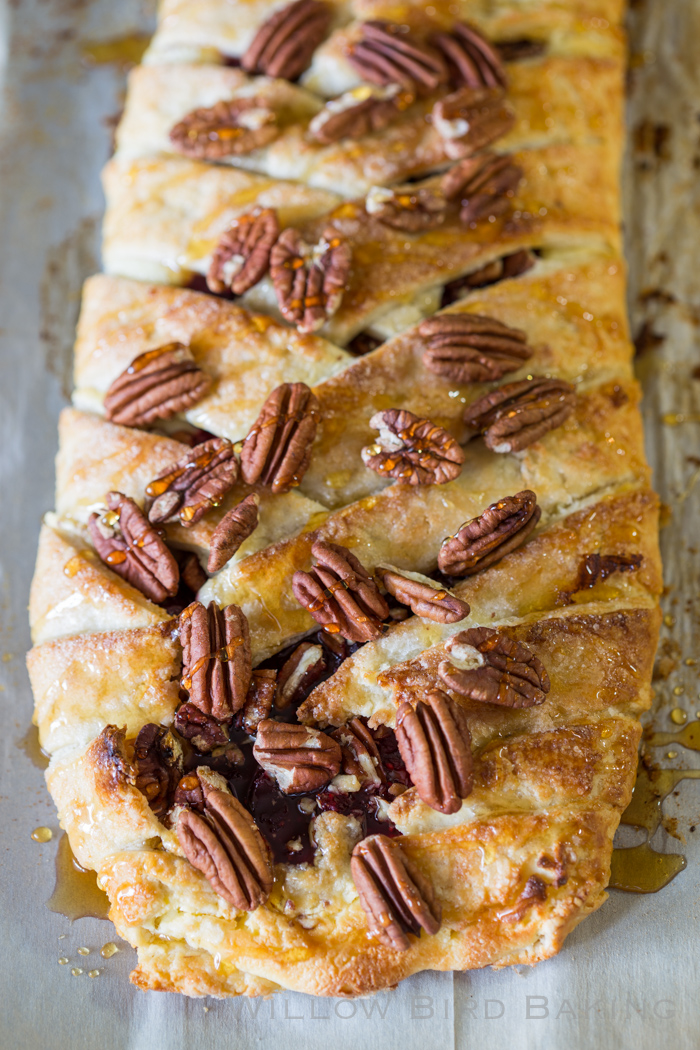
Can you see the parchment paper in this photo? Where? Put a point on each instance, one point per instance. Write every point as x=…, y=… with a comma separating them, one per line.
x=628, y=976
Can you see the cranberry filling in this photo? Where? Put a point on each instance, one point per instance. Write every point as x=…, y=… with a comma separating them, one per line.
x=284, y=819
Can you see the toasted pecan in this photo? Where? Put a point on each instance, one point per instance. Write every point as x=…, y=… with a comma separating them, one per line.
x=387, y=53
x=242, y=256
x=471, y=348
x=500, y=529
x=234, y=528
x=361, y=756
x=359, y=112
x=226, y=129
x=435, y=744
x=309, y=280
x=157, y=765
x=216, y=658
x=468, y=120
x=412, y=450
x=396, y=896
x=515, y=415
x=483, y=186
x=407, y=208
x=225, y=845
x=277, y=449
x=127, y=542
x=423, y=597
x=471, y=60
x=492, y=668
x=157, y=385
x=194, y=484
x=300, y=758
x=285, y=43
x=340, y=594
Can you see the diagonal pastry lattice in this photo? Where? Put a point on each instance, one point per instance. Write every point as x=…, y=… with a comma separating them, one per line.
x=527, y=854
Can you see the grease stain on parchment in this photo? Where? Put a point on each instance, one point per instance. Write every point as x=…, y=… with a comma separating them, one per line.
x=67, y=266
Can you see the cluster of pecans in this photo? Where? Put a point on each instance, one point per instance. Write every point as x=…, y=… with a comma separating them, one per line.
x=219, y=836
x=309, y=280
x=219, y=688
x=275, y=455
x=477, y=189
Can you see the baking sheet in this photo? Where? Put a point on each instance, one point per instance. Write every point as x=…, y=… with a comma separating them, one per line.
x=628, y=975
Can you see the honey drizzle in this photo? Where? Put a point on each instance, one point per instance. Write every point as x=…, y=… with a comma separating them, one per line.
x=641, y=869
x=198, y=461
x=226, y=653
x=76, y=893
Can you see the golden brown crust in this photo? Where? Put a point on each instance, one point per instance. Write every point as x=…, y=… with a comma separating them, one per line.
x=246, y=354
x=526, y=855
x=328, y=952
x=549, y=102
x=204, y=31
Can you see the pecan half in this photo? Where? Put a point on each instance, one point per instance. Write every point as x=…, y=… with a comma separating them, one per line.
x=226, y=129
x=298, y=673
x=423, y=597
x=225, y=845
x=471, y=61
x=435, y=744
x=407, y=209
x=340, y=594
x=216, y=658
x=413, y=450
x=194, y=484
x=483, y=186
x=131, y=547
x=299, y=758
x=500, y=529
x=359, y=112
x=471, y=348
x=191, y=572
x=235, y=527
x=203, y=731
x=386, y=53
x=468, y=120
x=277, y=450
x=258, y=704
x=517, y=414
x=494, y=669
x=157, y=385
x=285, y=43
x=242, y=256
x=309, y=280
x=397, y=898
x=498, y=270
x=157, y=765
x=361, y=756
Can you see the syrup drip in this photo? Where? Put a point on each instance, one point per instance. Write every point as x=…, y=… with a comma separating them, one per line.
x=641, y=869
x=688, y=736
x=145, y=359
x=224, y=654
x=198, y=461
x=76, y=894
x=29, y=743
